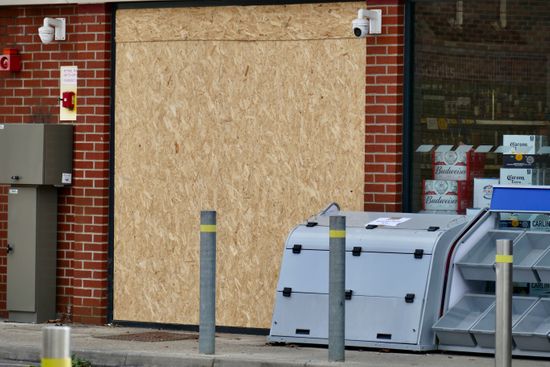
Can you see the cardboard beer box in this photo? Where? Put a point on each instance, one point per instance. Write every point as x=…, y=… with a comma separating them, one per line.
x=521, y=176
x=483, y=191
x=524, y=161
x=532, y=222
x=457, y=165
x=540, y=222
x=514, y=221
x=445, y=195
x=523, y=144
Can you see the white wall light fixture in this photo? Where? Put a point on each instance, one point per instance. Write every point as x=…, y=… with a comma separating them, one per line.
x=53, y=29
x=367, y=22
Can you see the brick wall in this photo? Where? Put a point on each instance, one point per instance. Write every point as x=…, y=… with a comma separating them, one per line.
x=384, y=109
x=31, y=96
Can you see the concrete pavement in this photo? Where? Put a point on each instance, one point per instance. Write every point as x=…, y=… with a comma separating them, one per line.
x=21, y=342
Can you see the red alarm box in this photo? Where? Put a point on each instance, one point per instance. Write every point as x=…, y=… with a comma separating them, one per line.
x=10, y=60
x=67, y=100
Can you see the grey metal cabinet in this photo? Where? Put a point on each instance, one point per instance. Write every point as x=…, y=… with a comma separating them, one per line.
x=33, y=159
x=35, y=154
x=32, y=238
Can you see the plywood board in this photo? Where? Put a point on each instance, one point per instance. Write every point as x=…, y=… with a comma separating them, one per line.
x=238, y=23
x=267, y=133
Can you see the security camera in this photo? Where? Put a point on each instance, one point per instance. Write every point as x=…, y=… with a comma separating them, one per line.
x=46, y=34
x=53, y=29
x=367, y=22
x=360, y=27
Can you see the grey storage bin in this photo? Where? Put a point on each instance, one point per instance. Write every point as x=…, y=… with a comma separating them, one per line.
x=454, y=327
x=478, y=263
x=531, y=332
x=484, y=329
x=542, y=267
x=527, y=251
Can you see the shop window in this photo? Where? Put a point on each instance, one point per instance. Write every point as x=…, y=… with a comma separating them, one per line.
x=481, y=99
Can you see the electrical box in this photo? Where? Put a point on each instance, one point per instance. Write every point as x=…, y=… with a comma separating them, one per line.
x=33, y=159
x=36, y=154
x=31, y=253
x=394, y=280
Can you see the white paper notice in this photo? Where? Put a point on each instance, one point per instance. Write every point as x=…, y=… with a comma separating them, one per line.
x=393, y=221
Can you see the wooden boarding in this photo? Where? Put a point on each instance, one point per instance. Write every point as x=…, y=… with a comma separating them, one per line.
x=260, y=118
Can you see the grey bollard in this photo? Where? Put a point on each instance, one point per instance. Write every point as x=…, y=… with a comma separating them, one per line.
x=56, y=346
x=207, y=324
x=336, y=289
x=503, y=332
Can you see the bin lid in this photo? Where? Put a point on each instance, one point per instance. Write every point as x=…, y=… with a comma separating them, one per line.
x=421, y=232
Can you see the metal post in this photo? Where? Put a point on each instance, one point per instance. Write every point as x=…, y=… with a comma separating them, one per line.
x=207, y=326
x=503, y=335
x=56, y=346
x=336, y=289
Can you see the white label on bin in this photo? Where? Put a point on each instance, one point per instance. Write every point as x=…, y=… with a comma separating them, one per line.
x=14, y=191
x=66, y=178
x=2, y=127
x=389, y=221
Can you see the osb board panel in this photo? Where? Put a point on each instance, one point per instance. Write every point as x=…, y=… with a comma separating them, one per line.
x=267, y=133
x=246, y=23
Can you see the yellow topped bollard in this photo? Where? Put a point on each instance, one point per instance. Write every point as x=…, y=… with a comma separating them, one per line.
x=56, y=346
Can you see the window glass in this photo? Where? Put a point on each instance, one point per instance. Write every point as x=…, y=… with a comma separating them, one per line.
x=481, y=101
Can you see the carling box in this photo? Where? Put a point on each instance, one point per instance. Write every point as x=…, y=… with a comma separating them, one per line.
x=445, y=195
x=483, y=191
x=525, y=221
x=457, y=165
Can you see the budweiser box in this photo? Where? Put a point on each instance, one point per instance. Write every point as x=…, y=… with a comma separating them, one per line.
x=445, y=195
x=533, y=222
x=483, y=191
x=524, y=161
x=521, y=176
x=524, y=144
x=457, y=165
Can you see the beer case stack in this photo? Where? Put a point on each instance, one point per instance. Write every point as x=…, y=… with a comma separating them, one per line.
x=522, y=164
x=450, y=190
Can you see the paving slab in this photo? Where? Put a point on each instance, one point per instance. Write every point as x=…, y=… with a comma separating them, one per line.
x=104, y=346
